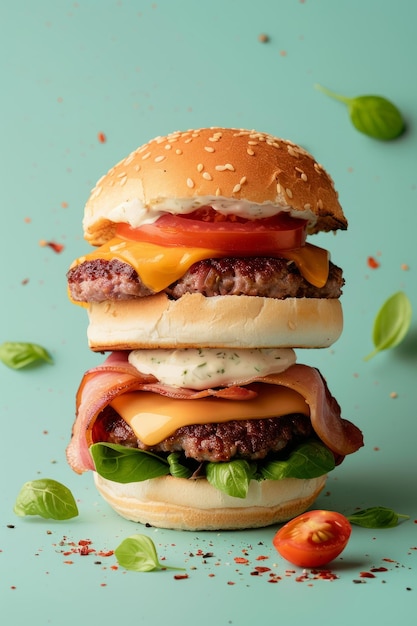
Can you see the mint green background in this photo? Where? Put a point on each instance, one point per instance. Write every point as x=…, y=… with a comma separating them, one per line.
x=133, y=70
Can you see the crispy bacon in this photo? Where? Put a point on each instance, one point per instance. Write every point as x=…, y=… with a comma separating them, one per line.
x=116, y=376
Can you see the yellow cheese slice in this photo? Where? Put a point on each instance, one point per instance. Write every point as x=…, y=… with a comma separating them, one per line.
x=159, y=266
x=153, y=417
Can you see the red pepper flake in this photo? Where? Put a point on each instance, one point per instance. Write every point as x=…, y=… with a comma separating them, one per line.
x=56, y=247
x=28, y=220
x=379, y=569
x=102, y=137
x=373, y=263
x=69, y=562
x=262, y=557
x=64, y=205
x=230, y=582
x=180, y=576
x=241, y=560
x=366, y=575
x=108, y=553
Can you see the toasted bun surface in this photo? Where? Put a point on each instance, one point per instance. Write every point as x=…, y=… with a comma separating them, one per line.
x=185, y=504
x=216, y=322
x=216, y=163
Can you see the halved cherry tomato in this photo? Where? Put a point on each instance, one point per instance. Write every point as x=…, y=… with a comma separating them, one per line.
x=240, y=238
x=313, y=539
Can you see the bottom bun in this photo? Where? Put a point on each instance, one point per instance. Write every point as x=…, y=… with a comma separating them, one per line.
x=186, y=504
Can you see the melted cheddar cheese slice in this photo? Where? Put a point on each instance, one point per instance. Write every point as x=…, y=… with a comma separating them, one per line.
x=159, y=266
x=153, y=417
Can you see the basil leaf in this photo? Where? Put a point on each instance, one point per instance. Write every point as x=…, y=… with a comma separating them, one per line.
x=231, y=477
x=376, y=517
x=17, y=354
x=47, y=498
x=308, y=460
x=372, y=115
x=126, y=465
x=176, y=468
x=138, y=553
x=392, y=323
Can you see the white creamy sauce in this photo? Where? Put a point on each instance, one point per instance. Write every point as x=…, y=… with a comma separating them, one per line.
x=133, y=212
x=210, y=367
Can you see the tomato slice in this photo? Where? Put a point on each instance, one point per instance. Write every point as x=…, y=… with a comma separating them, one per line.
x=313, y=539
x=263, y=236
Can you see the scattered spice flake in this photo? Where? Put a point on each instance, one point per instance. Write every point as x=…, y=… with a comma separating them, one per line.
x=263, y=38
x=367, y=575
x=28, y=220
x=180, y=576
x=25, y=281
x=393, y=394
x=102, y=137
x=283, y=53
x=64, y=205
x=56, y=247
x=405, y=267
x=373, y=263
x=262, y=557
x=241, y=560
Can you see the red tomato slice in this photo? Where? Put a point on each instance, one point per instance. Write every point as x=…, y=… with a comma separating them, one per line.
x=313, y=539
x=241, y=238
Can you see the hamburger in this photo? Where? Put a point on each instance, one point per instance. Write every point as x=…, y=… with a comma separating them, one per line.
x=200, y=286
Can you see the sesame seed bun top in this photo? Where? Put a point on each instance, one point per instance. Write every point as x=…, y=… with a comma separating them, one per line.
x=184, y=170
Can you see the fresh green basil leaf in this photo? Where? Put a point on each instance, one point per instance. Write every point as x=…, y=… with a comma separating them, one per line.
x=231, y=477
x=308, y=460
x=376, y=517
x=392, y=323
x=176, y=468
x=372, y=115
x=18, y=354
x=126, y=465
x=47, y=498
x=138, y=553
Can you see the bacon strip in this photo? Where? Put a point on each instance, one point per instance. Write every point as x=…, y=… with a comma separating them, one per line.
x=116, y=376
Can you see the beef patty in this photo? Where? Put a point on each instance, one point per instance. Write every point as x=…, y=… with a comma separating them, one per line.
x=100, y=280
x=243, y=439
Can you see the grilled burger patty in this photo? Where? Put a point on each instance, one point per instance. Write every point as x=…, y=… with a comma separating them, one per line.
x=100, y=280
x=244, y=439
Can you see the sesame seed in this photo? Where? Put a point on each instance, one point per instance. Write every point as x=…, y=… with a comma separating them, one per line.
x=320, y=204
x=146, y=156
x=121, y=175
x=123, y=181
x=208, y=149
x=288, y=192
x=237, y=188
x=318, y=168
x=243, y=180
x=128, y=159
x=189, y=140
x=190, y=183
x=304, y=177
x=252, y=143
x=218, y=191
x=168, y=146
x=250, y=151
x=160, y=158
x=207, y=176
x=178, y=151
x=307, y=207
x=279, y=189
x=293, y=152
x=226, y=166
x=136, y=167
x=200, y=167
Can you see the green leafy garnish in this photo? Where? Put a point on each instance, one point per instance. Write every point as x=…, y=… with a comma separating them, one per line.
x=391, y=323
x=18, y=354
x=176, y=468
x=232, y=477
x=374, y=116
x=308, y=460
x=47, y=498
x=126, y=465
x=138, y=553
x=376, y=517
